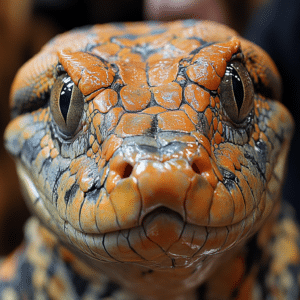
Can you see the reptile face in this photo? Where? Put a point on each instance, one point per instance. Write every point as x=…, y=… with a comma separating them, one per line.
x=157, y=144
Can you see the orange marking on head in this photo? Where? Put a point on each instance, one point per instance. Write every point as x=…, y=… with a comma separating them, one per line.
x=75, y=164
x=209, y=65
x=54, y=153
x=175, y=121
x=73, y=209
x=198, y=98
x=128, y=56
x=222, y=208
x=198, y=201
x=218, y=138
x=209, y=115
x=106, y=217
x=215, y=123
x=91, y=107
x=163, y=72
x=95, y=147
x=168, y=96
x=203, y=140
x=44, y=141
x=126, y=199
x=91, y=139
x=105, y=100
x=42, y=115
x=135, y=99
x=220, y=127
x=186, y=45
x=45, y=152
x=112, y=117
x=91, y=71
x=110, y=146
x=153, y=110
x=212, y=102
x=106, y=50
x=134, y=124
x=133, y=73
x=89, y=153
x=191, y=113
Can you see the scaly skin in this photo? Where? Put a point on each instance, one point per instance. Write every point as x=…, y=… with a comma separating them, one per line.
x=156, y=173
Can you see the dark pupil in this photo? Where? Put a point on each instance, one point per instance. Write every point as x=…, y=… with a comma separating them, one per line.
x=237, y=86
x=65, y=96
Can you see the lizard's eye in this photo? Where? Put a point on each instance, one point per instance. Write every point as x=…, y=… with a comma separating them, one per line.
x=66, y=104
x=237, y=92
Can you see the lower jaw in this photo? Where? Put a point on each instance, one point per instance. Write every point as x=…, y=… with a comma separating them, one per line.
x=161, y=283
x=187, y=248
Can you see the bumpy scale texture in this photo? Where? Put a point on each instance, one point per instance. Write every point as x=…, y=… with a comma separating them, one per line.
x=153, y=152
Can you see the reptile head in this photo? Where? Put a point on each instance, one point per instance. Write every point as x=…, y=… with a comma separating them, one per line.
x=159, y=144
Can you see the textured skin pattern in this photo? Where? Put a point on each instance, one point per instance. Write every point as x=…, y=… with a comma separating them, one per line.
x=164, y=168
x=45, y=270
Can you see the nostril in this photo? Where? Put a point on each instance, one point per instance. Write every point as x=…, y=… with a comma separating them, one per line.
x=196, y=168
x=126, y=171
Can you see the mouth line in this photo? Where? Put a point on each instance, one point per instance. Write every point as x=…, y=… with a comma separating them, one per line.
x=159, y=211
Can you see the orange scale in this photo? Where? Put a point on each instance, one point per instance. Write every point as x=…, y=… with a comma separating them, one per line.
x=107, y=50
x=198, y=98
x=95, y=79
x=175, y=121
x=91, y=108
x=212, y=102
x=110, y=146
x=135, y=99
x=153, y=110
x=91, y=139
x=89, y=153
x=215, y=122
x=133, y=73
x=44, y=141
x=168, y=96
x=112, y=118
x=95, y=147
x=204, y=74
x=42, y=115
x=218, y=138
x=220, y=127
x=54, y=153
x=192, y=114
x=155, y=57
x=203, y=140
x=186, y=45
x=127, y=56
x=139, y=29
x=97, y=120
x=75, y=165
x=134, y=124
x=91, y=71
x=209, y=115
x=105, y=100
x=98, y=135
x=163, y=71
x=123, y=42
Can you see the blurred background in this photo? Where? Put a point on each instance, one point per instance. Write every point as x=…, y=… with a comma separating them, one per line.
x=25, y=25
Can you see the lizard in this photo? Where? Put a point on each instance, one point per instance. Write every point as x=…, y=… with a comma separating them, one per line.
x=152, y=156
